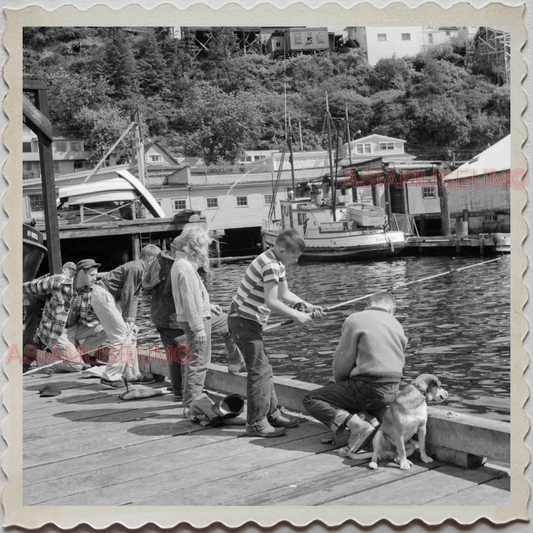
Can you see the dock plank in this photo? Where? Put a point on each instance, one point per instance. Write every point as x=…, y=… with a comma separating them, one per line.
x=108, y=485
x=435, y=484
x=493, y=492
x=332, y=485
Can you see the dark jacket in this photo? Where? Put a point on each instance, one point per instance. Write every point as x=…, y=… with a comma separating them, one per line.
x=157, y=282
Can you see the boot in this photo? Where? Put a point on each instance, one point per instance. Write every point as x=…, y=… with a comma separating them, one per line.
x=360, y=433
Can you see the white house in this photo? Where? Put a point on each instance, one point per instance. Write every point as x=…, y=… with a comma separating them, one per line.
x=385, y=41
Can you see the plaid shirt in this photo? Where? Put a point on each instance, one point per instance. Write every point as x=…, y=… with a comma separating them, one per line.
x=64, y=306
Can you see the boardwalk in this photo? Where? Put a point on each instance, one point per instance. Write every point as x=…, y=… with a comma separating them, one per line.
x=87, y=447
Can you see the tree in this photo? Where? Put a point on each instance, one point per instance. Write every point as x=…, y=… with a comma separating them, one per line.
x=151, y=66
x=101, y=128
x=219, y=125
x=120, y=64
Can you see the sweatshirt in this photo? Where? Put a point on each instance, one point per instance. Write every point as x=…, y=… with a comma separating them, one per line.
x=190, y=295
x=371, y=347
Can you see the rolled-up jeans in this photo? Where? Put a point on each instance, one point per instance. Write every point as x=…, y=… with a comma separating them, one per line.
x=194, y=371
x=261, y=396
x=351, y=395
x=123, y=353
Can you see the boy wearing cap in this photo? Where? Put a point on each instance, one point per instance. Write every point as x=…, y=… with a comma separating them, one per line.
x=66, y=319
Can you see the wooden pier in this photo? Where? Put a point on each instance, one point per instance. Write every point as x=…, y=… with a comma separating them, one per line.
x=482, y=244
x=86, y=447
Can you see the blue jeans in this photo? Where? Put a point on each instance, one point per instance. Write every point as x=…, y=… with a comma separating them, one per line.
x=261, y=396
x=194, y=371
x=351, y=395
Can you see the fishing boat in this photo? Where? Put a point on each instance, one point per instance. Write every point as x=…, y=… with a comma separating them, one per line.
x=33, y=251
x=332, y=225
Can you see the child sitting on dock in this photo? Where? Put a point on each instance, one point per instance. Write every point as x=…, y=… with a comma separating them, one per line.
x=264, y=289
x=367, y=368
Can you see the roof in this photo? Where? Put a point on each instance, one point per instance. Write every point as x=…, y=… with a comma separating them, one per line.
x=377, y=136
x=497, y=158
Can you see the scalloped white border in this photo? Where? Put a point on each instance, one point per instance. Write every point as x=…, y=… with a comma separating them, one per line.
x=231, y=14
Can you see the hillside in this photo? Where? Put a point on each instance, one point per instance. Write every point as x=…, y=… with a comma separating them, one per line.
x=225, y=102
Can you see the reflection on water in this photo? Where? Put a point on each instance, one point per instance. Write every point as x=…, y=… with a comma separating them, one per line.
x=458, y=325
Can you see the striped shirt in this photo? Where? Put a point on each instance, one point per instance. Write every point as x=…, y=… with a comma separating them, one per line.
x=249, y=302
x=64, y=306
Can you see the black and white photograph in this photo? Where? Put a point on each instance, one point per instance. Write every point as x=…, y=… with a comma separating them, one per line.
x=271, y=269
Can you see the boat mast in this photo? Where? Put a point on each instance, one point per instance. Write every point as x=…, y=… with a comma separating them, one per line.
x=348, y=139
x=332, y=178
x=291, y=157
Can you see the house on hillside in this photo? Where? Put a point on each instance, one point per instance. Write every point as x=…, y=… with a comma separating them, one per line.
x=300, y=40
x=373, y=146
x=68, y=152
x=386, y=41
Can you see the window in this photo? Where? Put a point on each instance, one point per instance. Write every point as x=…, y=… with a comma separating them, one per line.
x=267, y=198
x=278, y=44
x=27, y=166
x=386, y=146
x=428, y=193
x=490, y=218
x=155, y=158
x=57, y=167
x=448, y=33
x=76, y=146
x=320, y=37
x=406, y=36
x=179, y=204
x=309, y=38
x=382, y=37
x=298, y=38
x=79, y=164
x=302, y=219
x=36, y=202
x=242, y=201
x=60, y=146
x=365, y=148
x=211, y=203
x=26, y=147
x=430, y=38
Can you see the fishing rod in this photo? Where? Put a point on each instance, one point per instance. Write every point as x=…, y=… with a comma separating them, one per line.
x=342, y=304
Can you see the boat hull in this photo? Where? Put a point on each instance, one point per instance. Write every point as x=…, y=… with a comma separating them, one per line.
x=347, y=247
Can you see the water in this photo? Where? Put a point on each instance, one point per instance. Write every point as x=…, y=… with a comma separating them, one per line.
x=458, y=325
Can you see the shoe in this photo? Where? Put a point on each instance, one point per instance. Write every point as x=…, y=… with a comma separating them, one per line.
x=283, y=421
x=113, y=384
x=178, y=397
x=142, y=378
x=236, y=369
x=360, y=433
x=266, y=431
x=158, y=378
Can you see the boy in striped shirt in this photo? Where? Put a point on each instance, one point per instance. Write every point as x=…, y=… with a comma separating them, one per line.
x=264, y=289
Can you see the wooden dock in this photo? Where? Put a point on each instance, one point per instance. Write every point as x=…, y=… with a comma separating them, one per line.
x=86, y=447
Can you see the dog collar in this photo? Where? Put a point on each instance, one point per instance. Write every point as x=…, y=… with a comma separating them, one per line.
x=417, y=387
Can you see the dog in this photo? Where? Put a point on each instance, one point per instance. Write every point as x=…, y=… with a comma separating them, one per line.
x=405, y=416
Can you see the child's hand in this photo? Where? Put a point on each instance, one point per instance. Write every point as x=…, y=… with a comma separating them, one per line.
x=201, y=336
x=216, y=309
x=317, y=311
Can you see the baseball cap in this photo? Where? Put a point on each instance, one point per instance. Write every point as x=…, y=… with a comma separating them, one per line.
x=87, y=263
x=70, y=264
